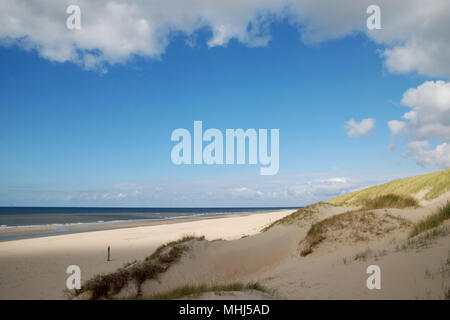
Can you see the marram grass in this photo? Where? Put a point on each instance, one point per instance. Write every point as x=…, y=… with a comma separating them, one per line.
x=432, y=221
x=435, y=184
x=196, y=290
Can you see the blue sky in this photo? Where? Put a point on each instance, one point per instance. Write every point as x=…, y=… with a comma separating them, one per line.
x=76, y=136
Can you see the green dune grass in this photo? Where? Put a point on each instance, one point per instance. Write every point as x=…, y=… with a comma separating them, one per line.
x=433, y=221
x=389, y=201
x=394, y=194
x=435, y=184
x=196, y=290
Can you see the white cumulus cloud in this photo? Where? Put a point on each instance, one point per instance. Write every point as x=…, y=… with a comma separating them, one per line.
x=396, y=127
x=421, y=152
x=413, y=37
x=356, y=129
x=428, y=119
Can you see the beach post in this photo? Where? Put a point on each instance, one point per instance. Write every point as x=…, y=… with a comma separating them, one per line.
x=109, y=253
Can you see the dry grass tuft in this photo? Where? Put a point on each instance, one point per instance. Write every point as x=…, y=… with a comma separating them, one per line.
x=183, y=239
x=196, y=290
x=350, y=227
x=363, y=256
x=390, y=201
x=302, y=213
x=425, y=240
x=107, y=285
x=432, y=221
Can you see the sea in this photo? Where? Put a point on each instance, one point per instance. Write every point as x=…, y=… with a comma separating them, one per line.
x=58, y=220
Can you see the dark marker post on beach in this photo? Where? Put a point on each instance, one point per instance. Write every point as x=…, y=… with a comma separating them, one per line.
x=109, y=253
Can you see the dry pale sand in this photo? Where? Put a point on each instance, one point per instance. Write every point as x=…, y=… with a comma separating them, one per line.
x=406, y=273
x=331, y=271
x=35, y=268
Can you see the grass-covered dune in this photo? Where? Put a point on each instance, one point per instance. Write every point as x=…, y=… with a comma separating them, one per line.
x=432, y=185
x=395, y=194
x=432, y=221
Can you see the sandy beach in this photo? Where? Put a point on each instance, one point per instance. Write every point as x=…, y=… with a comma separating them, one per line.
x=321, y=251
x=234, y=250
x=35, y=268
x=157, y=153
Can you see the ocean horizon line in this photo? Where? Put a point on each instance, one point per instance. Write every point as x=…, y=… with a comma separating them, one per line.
x=30, y=222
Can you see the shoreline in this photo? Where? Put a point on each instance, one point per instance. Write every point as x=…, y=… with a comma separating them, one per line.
x=35, y=268
x=38, y=231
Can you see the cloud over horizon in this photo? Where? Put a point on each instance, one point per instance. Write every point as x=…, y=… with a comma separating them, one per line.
x=287, y=190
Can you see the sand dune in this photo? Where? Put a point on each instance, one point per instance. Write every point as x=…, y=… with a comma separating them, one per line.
x=35, y=268
x=335, y=268
x=351, y=239
x=227, y=261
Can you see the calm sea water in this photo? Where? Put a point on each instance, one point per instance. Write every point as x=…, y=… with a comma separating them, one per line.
x=23, y=217
x=27, y=221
